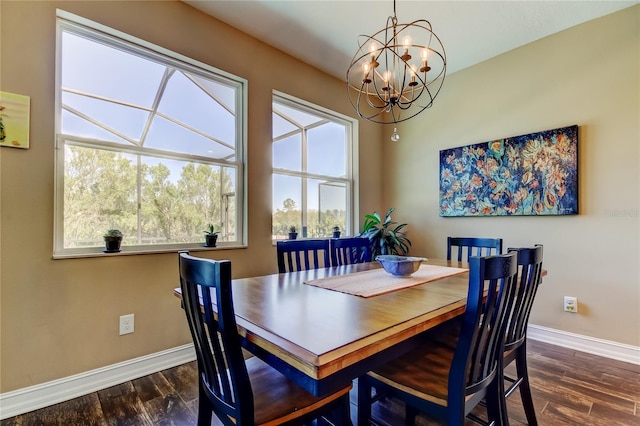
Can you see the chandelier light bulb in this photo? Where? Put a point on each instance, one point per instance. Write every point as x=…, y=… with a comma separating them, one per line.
x=425, y=64
x=413, y=76
x=365, y=69
x=406, y=42
x=385, y=78
x=372, y=51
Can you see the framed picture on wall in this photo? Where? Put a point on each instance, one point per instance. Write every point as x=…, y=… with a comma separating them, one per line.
x=14, y=120
x=528, y=175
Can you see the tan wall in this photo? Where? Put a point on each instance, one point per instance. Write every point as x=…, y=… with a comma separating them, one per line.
x=589, y=76
x=60, y=317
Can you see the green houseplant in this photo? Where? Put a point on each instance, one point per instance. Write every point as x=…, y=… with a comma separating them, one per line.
x=211, y=236
x=386, y=236
x=112, y=241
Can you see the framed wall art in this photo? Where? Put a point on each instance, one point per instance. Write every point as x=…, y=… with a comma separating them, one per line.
x=528, y=175
x=14, y=120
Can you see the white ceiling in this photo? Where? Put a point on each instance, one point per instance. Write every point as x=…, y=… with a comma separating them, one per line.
x=324, y=33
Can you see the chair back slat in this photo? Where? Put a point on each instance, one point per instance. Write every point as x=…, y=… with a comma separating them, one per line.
x=299, y=255
x=530, y=276
x=347, y=251
x=473, y=247
x=490, y=297
x=221, y=367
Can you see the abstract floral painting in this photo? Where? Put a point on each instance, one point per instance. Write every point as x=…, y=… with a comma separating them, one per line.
x=528, y=175
x=14, y=120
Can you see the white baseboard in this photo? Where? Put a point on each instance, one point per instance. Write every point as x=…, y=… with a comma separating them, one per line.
x=579, y=342
x=38, y=396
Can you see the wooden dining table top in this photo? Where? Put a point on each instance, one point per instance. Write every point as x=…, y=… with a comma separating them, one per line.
x=323, y=338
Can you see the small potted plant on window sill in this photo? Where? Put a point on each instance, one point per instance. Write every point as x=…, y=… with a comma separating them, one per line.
x=336, y=231
x=112, y=241
x=211, y=236
x=293, y=233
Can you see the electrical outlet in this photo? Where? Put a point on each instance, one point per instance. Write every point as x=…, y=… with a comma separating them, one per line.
x=126, y=324
x=571, y=304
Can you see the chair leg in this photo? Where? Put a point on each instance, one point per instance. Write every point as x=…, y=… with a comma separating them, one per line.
x=410, y=415
x=342, y=413
x=205, y=411
x=347, y=415
x=525, y=389
x=455, y=412
x=364, y=401
x=496, y=413
x=502, y=398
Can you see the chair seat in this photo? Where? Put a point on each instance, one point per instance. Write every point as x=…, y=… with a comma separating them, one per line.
x=424, y=371
x=277, y=399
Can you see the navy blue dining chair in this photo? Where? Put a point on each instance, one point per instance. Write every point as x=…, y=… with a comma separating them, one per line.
x=347, y=251
x=473, y=247
x=241, y=392
x=515, y=345
x=447, y=377
x=302, y=255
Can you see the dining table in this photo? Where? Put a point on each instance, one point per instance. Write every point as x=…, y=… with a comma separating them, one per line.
x=323, y=338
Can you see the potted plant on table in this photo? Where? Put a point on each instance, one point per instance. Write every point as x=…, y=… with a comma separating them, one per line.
x=336, y=231
x=384, y=236
x=112, y=241
x=211, y=236
x=293, y=233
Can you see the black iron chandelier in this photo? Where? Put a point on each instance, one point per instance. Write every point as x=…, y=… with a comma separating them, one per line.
x=397, y=72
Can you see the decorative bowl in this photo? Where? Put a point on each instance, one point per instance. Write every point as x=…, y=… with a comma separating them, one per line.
x=400, y=266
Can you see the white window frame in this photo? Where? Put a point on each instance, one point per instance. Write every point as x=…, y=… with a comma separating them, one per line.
x=352, y=179
x=99, y=32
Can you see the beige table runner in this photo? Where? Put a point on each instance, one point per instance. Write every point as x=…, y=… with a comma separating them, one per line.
x=378, y=281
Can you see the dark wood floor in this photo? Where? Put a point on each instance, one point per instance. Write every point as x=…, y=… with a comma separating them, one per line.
x=569, y=388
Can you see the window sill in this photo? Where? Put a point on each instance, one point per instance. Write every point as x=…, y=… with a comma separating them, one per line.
x=131, y=252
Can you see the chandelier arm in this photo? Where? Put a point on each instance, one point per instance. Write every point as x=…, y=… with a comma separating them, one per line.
x=375, y=94
x=405, y=85
x=368, y=98
x=368, y=117
x=379, y=91
x=393, y=114
x=407, y=104
x=382, y=106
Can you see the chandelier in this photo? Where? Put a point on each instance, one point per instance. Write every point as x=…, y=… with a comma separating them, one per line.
x=397, y=72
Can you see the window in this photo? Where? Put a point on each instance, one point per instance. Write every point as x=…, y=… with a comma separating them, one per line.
x=148, y=142
x=313, y=169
